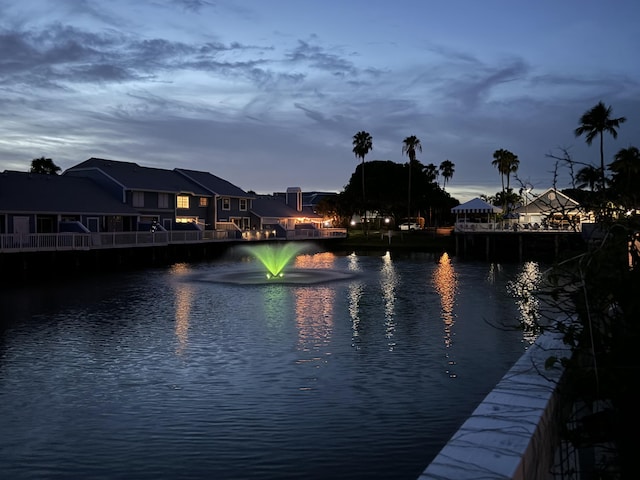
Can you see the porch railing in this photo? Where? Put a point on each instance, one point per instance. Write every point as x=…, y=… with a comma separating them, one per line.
x=513, y=227
x=41, y=242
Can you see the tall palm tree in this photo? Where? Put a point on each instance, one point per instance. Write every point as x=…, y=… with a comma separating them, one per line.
x=447, y=168
x=596, y=122
x=507, y=163
x=410, y=146
x=362, y=145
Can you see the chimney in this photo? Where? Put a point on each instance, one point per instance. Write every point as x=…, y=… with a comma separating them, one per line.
x=294, y=198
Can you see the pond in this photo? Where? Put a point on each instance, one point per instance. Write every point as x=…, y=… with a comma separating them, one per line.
x=177, y=373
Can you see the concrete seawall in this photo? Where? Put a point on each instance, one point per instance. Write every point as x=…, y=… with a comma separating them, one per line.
x=513, y=433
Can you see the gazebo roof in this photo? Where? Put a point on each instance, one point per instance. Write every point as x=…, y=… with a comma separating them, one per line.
x=477, y=205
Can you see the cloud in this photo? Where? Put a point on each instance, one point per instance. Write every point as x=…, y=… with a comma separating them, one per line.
x=317, y=57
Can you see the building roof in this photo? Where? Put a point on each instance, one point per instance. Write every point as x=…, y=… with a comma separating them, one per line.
x=274, y=207
x=132, y=176
x=22, y=192
x=476, y=205
x=551, y=200
x=214, y=185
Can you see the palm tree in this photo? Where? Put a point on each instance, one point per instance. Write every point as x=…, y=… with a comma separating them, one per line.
x=362, y=144
x=447, y=168
x=507, y=163
x=596, y=122
x=44, y=166
x=626, y=172
x=588, y=176
x=431, y=172
x=410, y=146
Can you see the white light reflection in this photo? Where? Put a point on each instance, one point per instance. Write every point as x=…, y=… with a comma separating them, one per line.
x=524, y=289
x=445, y=282
x=494, y=270
x=388, y=283
x=356, y=289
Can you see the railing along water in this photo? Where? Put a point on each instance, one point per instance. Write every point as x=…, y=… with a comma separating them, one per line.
x=39, y=242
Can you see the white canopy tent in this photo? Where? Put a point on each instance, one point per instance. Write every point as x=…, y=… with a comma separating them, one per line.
x=477, y=209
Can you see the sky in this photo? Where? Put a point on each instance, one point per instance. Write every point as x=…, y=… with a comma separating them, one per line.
x=268, y=94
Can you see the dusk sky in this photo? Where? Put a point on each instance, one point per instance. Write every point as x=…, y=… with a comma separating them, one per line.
x=268, y=94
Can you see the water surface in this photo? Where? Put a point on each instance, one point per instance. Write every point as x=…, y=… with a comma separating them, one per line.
x=167, y=373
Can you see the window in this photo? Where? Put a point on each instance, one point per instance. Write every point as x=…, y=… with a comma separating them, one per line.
x=243, y=204
x=138, y=199
x=204, y=201
x=226, y=203
x=182, y=201
x=163, y=200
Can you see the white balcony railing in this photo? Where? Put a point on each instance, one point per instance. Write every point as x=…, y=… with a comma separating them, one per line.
x=40, y=242
x=514, y=227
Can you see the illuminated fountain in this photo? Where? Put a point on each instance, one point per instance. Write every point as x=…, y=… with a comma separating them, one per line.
x=277, y=261
x=275, y=257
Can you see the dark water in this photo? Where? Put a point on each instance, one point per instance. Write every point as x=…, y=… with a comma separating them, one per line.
x=169, y=374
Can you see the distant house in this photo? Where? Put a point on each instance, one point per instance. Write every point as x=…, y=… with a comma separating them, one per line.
x=283, y=212
x=231, y=204
x=552, y=209
x=37, y=203
x=157, y=195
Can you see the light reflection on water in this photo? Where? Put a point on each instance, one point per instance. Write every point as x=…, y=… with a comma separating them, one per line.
x=524, y=289
x=445, y=282
x=152, y=375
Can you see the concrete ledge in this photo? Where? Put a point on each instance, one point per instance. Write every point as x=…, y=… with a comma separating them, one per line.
x=512, y=434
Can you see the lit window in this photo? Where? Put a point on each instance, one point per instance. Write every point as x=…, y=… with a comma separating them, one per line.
x=182, y=201
x=204, y=201
x=163, y=200
x=226, y=204
x=138, y=199
x=243, y=204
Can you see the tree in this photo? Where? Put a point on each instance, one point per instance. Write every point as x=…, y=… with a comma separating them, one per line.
x=362, y=145
x=391, y=202
x=410, y=146
x=626, y=176
x=507, y=163
x=44, y=166
x=596, y=122
x=588, y=176
x=447, y=168
x=431, y=171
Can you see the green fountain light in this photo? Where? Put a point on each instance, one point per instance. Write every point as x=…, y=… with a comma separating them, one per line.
x=275, y=257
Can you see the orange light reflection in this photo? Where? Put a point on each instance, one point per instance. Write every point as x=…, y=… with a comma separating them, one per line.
x=184, y=299
x=445, y=282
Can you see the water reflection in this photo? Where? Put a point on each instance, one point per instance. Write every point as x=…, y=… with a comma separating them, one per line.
x=494, y=270
x=314, y=316
x=388, y=284
x=314, y=307
x=356, y=290
x=524, y=289
x=184, y=295
x=445, y=282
